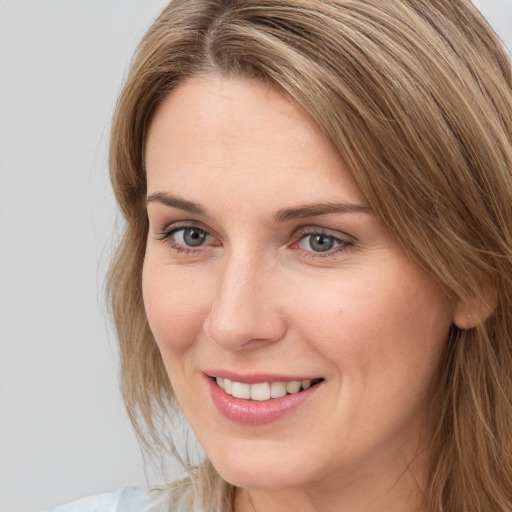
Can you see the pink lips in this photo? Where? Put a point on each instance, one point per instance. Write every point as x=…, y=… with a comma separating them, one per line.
x=254, y=412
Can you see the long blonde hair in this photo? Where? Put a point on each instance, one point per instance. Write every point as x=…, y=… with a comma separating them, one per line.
x=416, y=97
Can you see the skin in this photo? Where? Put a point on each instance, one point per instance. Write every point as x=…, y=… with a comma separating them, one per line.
x=257, y=296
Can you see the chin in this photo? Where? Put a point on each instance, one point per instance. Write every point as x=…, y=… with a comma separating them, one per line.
x=252, y=478
x=252, y=472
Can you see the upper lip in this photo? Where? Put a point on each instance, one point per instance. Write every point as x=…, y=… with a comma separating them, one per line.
x=255, y=378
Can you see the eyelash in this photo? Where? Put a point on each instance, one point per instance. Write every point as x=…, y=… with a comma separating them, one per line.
x=342, y=244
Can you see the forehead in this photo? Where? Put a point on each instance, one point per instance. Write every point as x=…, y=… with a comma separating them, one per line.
x=239, y=136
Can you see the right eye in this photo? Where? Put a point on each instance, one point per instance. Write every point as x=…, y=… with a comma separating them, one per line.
x=190, y=237
x=187, y=238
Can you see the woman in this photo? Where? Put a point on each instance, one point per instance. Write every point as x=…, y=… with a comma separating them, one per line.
x=317, y=263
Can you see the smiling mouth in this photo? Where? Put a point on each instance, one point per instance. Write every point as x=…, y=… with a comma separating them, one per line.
x=264, y=391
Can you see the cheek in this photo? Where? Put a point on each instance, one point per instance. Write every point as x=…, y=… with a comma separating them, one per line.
x=384, y=339
x=176, y=305
x=387, y=323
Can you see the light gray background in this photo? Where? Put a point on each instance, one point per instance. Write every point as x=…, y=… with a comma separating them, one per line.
x=63, y=431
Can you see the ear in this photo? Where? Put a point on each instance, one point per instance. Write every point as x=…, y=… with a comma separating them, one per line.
x=475, y=310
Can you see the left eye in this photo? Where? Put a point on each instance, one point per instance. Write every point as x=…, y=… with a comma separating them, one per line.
x=320, y=242
x=190, y=237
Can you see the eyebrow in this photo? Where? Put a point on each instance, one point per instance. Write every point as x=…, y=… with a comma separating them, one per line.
x=176, y=202
x=313, y=210
x=298, y=212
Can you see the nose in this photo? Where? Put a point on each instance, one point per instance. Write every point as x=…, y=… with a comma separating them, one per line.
x=246, y=310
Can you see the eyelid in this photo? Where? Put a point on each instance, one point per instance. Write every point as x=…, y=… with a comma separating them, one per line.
x=317, y=230
x=190, y=223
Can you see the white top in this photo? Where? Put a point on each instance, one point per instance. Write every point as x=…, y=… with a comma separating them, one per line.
x=129, y=499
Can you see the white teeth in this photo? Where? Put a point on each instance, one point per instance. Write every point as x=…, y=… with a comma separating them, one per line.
x=261, y=391
x=293, y=386
x=241, y=390
x=277, y=389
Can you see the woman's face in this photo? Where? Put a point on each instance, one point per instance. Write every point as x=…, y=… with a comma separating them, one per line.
x=266, y=267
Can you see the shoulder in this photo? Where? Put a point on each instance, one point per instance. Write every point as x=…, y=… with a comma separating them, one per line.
x=129, y=499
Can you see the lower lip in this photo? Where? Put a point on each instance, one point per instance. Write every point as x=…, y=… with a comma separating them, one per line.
x=254, y=412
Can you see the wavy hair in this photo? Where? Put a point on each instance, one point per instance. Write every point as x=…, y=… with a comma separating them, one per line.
x=416, y=97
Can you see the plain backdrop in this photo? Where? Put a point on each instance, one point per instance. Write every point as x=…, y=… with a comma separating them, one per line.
x=63, y=430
